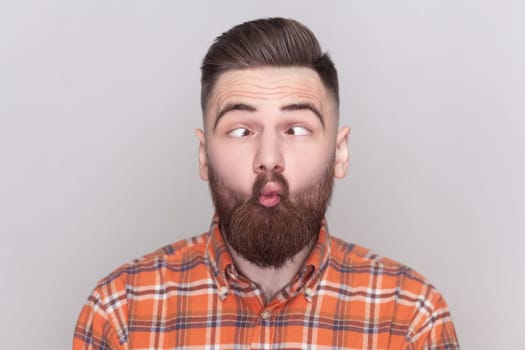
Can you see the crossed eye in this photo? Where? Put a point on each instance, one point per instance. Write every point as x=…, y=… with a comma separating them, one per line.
x=239, y=132
x=298, y=131
x=294, y=130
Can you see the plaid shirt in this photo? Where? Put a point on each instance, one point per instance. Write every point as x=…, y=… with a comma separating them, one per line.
x=189, y=296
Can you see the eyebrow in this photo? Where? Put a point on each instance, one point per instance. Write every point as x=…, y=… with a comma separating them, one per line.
x=232, y=107
x=290, y=107
x=302, y=106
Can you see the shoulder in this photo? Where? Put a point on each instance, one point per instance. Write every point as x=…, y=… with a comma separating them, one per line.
x=177, y=257
x=364, y=271
x=355, y=258
x=414, y=300
x=104, y=318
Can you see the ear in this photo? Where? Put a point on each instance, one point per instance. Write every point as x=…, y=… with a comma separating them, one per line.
x=341, y=153
x=203, y=159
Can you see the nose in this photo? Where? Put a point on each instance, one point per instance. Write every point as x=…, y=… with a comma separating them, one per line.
x=268, y=156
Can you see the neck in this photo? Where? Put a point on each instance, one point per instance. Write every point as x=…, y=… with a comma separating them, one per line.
x=271, y=280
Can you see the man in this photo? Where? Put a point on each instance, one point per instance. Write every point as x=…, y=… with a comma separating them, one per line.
x=268, y=274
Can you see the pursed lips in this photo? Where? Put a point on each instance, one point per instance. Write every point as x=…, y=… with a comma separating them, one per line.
x=270, y=194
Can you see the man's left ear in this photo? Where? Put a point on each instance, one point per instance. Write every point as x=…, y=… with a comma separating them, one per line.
x=341, y=153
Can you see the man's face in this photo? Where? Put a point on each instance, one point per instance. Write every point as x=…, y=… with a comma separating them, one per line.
x=276, y=128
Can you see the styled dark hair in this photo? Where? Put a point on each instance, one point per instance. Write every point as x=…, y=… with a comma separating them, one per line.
x=277, y=42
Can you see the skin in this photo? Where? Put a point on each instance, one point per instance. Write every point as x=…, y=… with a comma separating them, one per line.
x=272, y=119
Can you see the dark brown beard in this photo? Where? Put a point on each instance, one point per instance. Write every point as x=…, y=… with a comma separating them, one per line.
x=270, y=237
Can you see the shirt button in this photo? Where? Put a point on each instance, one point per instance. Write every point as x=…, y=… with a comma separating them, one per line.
x=223, y=290
x=266, y=315
x=309, y=292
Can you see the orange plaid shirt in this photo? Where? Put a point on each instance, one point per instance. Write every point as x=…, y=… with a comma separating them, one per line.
x=189, y=296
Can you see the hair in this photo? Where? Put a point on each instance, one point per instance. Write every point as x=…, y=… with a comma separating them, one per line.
x=274, y=42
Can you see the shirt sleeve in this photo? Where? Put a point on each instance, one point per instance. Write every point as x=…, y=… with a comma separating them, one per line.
x=433, y=327
x=97, y=326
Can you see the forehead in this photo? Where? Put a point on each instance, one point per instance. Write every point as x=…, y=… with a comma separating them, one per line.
x=269, y=86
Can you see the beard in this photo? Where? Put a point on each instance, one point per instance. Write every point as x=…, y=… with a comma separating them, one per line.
x=270, y=236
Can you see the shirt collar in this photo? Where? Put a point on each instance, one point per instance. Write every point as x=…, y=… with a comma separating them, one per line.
x=317, y=261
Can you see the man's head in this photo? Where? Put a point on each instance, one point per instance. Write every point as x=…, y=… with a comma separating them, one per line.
x=273, y=42
x=270, y=145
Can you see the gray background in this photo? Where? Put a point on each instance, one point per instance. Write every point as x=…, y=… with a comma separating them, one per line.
x=99, y=100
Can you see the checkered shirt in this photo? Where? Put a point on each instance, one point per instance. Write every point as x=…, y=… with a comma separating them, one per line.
x=189, y=295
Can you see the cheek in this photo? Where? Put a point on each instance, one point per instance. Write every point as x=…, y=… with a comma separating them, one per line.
x=305, y=169
x=233, y=168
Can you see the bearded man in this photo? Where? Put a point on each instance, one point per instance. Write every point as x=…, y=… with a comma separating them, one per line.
x=267, y=275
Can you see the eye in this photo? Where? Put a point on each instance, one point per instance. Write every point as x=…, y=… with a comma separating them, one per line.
x=298, y=131
x=239, y=132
